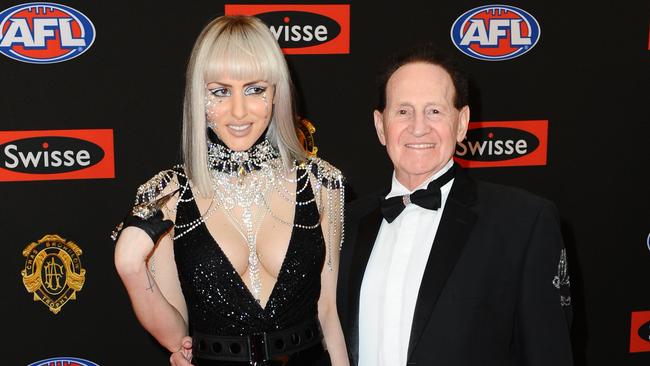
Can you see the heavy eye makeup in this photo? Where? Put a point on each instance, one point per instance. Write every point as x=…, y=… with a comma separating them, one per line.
x=255, y=89
x=220, y=92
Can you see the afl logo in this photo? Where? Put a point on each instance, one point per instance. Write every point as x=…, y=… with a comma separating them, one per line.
x=495, y=32
x=44, y=33
x=67, y=361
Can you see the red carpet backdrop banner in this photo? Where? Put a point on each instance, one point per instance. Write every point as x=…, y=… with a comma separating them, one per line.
x=91, y=108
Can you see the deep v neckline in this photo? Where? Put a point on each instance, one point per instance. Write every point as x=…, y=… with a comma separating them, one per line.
x=231, y=268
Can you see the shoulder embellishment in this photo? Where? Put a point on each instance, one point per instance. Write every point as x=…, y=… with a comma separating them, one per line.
x=150, y=191
x=326, y=174
x=333, y=198
x=148, y=199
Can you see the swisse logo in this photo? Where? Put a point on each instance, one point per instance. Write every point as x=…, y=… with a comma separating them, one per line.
x=500, y=143
x=297, y=30
x=303, y=29
x=511, y=143
x=63, y=361
x=44, y=33
x=640, y=332
x=495, y=32
x=644, y=331
x=57, y=154
x=49, y=155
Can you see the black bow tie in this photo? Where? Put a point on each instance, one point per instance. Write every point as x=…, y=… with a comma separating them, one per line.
x=429, y=198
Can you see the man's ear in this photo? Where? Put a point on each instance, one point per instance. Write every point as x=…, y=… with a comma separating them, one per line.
x=379, y=126
x=463, y=123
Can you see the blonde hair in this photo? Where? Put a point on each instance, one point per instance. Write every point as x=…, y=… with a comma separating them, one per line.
x=241, y=47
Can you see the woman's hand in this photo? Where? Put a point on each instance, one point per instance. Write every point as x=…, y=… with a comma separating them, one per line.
x=183, y=356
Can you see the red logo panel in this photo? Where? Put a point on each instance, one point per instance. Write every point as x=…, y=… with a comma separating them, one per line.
x=504, y=143
x=640, y=332
x=56, y=155
x=303, y=29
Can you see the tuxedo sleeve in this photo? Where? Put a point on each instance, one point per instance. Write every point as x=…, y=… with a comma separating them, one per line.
x=543, y=318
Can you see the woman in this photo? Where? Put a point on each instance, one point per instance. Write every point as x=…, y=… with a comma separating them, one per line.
x=239, y=246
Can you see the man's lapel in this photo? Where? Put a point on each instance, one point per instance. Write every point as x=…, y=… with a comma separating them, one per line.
x=367, y=233
x=453, y=232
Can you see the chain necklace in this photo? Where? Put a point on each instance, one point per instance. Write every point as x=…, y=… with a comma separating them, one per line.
x=245, y=180
x=249, y=232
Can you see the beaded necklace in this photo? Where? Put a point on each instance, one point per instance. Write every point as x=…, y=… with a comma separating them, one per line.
x=245, y=180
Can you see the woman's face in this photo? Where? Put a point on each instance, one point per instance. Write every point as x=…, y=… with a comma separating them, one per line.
x=238, y=110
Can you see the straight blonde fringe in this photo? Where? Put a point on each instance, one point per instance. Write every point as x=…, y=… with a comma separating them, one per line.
x=240, y=47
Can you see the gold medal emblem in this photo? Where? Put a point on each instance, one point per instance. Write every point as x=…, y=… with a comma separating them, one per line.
x=53, y=271
x=305, y=131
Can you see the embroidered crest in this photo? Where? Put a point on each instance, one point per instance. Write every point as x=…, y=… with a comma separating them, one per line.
x=53, y=271
x=561, y=280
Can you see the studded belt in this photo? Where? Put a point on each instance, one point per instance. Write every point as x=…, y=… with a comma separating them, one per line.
x=257, y=347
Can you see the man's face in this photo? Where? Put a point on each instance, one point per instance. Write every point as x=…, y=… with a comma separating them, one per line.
x=420, y=125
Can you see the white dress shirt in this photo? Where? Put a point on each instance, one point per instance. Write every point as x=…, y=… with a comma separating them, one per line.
x=392, y=278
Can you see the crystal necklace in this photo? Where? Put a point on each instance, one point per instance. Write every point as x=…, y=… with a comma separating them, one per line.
x=246, y=179
x=243, y=179
x=243, y=182
x=223, y=159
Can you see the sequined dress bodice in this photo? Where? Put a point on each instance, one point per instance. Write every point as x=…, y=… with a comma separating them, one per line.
x=219, y=302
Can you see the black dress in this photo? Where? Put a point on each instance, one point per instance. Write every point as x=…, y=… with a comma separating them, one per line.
x=220, y=304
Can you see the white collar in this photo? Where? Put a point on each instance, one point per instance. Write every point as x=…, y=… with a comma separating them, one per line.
x=398, y=189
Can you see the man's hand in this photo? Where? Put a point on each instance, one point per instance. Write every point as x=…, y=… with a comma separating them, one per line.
x=183, y=356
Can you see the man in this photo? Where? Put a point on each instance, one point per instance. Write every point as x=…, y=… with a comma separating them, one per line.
x=475, y=277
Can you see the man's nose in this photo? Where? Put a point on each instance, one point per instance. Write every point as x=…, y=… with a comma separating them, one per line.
x=420, y=125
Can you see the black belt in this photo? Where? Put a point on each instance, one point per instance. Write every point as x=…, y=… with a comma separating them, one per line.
x=258, y=347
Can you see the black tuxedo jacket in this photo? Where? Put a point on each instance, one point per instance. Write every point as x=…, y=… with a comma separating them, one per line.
x=493, y=292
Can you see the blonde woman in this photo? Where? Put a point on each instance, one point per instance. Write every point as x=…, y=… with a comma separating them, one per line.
x=239, y=246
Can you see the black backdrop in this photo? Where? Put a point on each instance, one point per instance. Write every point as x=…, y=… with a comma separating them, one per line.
x=587, y=75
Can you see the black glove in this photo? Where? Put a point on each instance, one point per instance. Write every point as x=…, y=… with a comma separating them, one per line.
x=154, y=226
